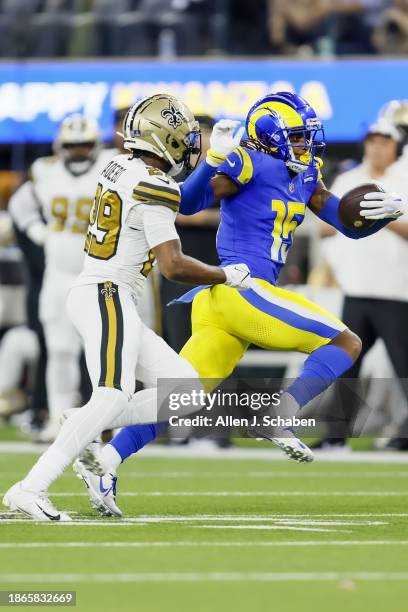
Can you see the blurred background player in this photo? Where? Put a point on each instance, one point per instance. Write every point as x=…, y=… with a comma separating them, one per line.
x=376, y=290
x=52, y=208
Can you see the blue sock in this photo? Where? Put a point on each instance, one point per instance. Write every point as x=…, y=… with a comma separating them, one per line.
x=131, y=439
x=320, y=369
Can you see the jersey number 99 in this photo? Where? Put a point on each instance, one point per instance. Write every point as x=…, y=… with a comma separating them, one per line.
x=104, y=229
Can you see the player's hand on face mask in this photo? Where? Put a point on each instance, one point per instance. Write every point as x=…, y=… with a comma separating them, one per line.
x=378, y=205
x=223, y=140
x=238, y=276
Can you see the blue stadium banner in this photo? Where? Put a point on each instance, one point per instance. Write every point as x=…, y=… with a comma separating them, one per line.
x=34, y=97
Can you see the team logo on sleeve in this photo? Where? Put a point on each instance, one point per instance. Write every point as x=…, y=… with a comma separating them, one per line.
x=174, y=117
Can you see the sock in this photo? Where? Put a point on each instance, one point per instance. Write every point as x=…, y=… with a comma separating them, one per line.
x=320, y=369
x=129, y=441
x=76, y=433
x=109, y=456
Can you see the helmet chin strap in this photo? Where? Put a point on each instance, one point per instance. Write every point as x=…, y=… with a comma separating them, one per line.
x=296, y=166
x=175, y=168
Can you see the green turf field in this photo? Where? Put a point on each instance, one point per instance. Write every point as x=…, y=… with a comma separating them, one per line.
x=221, y=535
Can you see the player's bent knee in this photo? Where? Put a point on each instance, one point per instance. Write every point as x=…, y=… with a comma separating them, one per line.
x=110, y=392
x=349, y=342
x=186, y=370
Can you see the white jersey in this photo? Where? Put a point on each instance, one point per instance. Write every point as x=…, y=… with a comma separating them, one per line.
x=373, y=267
x=134, y=211
x=64, y=202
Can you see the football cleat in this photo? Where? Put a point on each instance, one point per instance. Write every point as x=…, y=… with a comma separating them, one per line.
x=32, y=504
x=293, y=447
x=101, y=489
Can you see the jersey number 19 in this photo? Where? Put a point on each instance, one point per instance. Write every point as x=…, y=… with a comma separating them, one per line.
x=105, y=224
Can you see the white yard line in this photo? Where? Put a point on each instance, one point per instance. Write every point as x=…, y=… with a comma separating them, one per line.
x=287, y=523
x=270, y=474
x=260, y=474
x=156, y=450
x=257, y=493
x=271, y=528
x=243, y=517
x=203, y=577
x=188, y=544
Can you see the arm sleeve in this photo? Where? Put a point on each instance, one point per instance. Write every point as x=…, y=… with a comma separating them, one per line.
x=158, y=190
x=24, y=207
x=158, y=223
x=196, y=191
x=329, y=213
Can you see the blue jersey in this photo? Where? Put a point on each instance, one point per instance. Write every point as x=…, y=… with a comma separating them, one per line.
x=259, y=222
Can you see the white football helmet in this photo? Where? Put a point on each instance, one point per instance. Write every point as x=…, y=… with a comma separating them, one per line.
x=78, y=131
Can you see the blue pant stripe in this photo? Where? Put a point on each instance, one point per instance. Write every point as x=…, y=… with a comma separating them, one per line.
x=289, y=317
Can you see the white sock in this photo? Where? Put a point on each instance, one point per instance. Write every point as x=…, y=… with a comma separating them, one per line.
x=110, y=458
x=76, y=433
x=287, y=409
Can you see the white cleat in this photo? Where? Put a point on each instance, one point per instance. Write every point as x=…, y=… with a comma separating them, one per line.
x=101, y=489
x=295, y=449
x=32, y=504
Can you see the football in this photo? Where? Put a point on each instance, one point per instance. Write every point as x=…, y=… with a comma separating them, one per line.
x=349, y=207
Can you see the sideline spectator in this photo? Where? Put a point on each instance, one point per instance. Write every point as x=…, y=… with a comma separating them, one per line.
x=391, y=35
x=353, y=24
x=296, y=25
x=370, y=272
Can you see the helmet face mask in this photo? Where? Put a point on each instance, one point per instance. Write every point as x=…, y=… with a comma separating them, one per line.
x=78, y=143
x=299, y=119
x=163, y=126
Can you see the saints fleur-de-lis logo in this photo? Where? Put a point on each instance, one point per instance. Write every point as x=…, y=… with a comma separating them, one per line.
x=108, y=290
x=173, y=115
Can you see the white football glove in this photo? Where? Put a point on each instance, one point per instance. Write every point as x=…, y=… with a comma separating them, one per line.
x=224, y=138
x=379, y=205
x=37, y=232
x=238, y=276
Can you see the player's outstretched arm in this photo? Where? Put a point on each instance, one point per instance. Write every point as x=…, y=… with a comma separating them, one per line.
x=197, y=191
x=380, y=207
x=177, y=266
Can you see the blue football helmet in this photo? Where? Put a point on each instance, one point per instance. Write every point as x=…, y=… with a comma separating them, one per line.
x=298, y=118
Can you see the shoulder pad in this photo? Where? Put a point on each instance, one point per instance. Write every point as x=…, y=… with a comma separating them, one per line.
x=157, y=188
x=238, y=166
x=42, y=164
